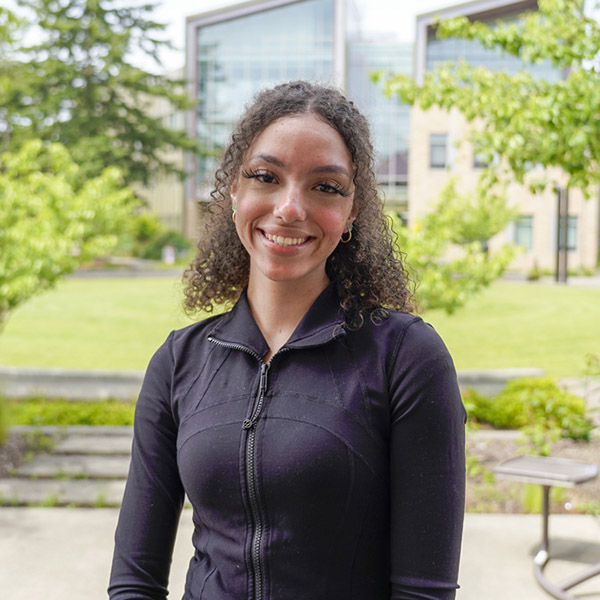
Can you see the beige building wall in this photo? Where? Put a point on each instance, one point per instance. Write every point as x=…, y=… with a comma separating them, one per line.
x=165, y=196
x=426, y=183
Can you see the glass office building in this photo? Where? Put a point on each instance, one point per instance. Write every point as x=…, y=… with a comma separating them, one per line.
x=237, y=52
x=390, y=120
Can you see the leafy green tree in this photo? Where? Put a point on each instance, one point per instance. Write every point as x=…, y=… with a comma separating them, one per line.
x=50, y=222
x=10, y=25
x=77, y=86
x=447, y=251
x=528, y=121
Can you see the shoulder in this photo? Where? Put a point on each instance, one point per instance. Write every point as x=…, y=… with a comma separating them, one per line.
x=401, y=333
x=199, y=329
x=421, y=372
x=415, y=337
x=180, y=343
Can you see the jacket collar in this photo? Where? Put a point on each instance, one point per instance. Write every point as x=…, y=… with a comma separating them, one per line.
x=321, y=324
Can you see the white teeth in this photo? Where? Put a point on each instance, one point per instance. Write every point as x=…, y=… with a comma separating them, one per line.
x=284, y=241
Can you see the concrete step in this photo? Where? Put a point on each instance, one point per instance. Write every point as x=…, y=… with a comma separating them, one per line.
x=120, y=430
x=51, y=492
x=95, y=444
x=76, y=466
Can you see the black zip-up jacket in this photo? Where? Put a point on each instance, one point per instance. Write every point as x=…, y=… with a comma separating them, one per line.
x=334, y=472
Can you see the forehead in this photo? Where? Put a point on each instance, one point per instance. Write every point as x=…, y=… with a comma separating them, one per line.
x=306, y=133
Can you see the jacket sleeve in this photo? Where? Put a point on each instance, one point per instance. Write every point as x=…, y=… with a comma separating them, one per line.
x=427, y=462
x=154, y=494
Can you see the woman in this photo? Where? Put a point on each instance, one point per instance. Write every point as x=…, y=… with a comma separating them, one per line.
x=317, y=427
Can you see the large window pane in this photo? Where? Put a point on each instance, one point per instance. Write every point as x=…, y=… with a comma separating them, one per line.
x=438, y=150
x=572, y=233
x=237, y=57
x=524, y=232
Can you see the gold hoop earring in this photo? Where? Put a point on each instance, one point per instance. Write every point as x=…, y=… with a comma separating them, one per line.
x=233, y=214
x=349, y=232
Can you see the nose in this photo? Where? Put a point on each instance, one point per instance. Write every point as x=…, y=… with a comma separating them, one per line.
x=290, y=205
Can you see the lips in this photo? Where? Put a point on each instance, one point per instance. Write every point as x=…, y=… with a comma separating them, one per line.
x=284, y=242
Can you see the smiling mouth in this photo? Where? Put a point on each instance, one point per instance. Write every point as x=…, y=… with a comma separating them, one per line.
x=285, y=241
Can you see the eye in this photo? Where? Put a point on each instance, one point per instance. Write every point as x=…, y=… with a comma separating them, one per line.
x=262, y=176
x=332, y=188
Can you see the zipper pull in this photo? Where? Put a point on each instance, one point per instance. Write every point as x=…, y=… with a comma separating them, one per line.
x=262, y=388
x=264, y=369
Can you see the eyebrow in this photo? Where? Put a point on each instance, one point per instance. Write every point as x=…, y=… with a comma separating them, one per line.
x=320, y=169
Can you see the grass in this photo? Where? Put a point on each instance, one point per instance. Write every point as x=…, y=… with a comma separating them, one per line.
x=524, y=325
x=103, y=323
x=42, y=411
x=117, y=323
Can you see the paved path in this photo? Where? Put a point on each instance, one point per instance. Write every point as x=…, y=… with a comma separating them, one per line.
x=65, y=554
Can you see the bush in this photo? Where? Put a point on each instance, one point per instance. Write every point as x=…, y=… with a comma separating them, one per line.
x=147, y=226
x=153, y=250
x=147, y=236
x=532, y=402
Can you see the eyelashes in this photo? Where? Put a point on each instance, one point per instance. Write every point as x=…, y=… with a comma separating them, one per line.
x=262, y=176
x=326, y=188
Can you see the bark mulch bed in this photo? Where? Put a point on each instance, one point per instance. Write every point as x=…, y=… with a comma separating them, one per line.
x=19, y=448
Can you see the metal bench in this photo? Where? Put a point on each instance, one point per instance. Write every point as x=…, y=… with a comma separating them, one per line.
x=548, y=471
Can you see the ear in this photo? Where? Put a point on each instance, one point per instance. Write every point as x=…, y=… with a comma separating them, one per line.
x=352, y=216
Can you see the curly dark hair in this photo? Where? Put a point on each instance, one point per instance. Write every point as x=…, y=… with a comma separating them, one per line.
x=368, y=271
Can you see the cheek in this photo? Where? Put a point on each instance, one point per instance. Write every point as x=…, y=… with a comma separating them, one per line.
x=249, y=207
x=333, y=221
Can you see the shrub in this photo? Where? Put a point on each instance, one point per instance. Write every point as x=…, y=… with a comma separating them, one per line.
x=153, y=250
x=532, y=403
x=147, y=226
x=147, y=236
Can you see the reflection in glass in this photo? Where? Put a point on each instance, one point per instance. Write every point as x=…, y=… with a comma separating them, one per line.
x=239, y=56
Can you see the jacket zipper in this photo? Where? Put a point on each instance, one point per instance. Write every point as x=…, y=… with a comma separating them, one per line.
x=249, y=425
x=250, y=466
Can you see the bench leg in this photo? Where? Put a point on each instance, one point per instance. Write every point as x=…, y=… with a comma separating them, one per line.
x=543, y=556
x=543, y=553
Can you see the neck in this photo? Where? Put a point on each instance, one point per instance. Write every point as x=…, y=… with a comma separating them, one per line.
x=278, y=307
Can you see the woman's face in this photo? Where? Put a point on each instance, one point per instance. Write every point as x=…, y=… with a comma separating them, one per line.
x=294, y=197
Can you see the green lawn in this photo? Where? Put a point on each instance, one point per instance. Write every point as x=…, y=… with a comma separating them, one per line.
x=103, y=323
x=109, y=323
x=524, y=325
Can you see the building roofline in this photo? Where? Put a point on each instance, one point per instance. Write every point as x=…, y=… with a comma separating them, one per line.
x=473, y=8
x=233, y=11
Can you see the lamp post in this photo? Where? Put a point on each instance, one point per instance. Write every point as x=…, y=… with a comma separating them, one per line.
x=562, y=234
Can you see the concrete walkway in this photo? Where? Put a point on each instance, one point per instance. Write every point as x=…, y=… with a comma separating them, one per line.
x=65, y=554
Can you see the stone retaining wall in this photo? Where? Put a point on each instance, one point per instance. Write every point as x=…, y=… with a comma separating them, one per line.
x=22, y=382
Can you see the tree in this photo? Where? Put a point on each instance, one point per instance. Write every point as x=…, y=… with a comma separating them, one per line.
x=50, y=222
x=447, y=250
x=77, y=87
x=528, y=122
